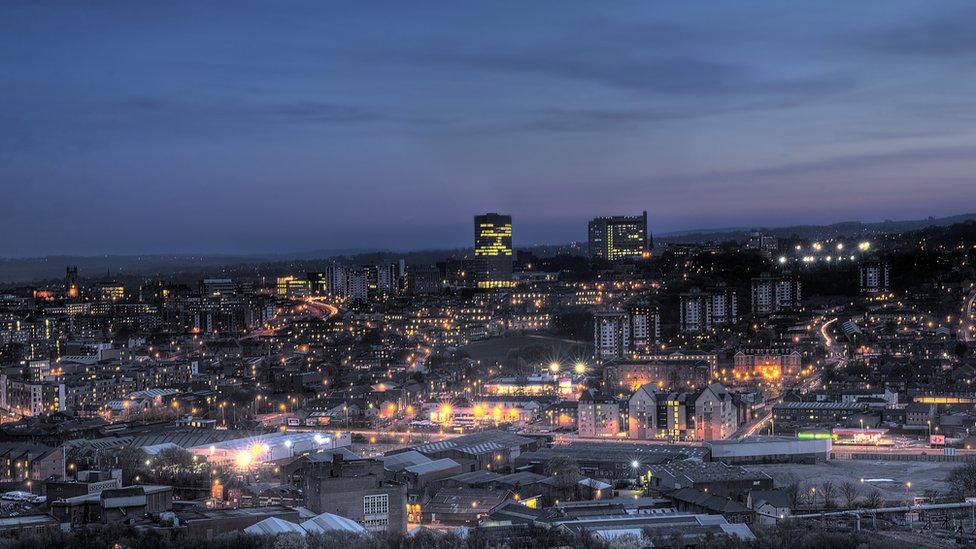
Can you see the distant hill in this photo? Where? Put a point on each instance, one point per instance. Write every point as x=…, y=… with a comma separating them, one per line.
x=844, y=228
x=193, y=266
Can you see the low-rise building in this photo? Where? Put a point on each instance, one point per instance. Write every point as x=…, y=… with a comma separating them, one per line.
x=356, y=489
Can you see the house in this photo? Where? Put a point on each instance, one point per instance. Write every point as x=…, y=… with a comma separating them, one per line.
x=769, y=505
x=918, y=414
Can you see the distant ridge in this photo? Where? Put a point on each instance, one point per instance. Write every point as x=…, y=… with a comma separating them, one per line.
x=843, y=228
x=51, y=268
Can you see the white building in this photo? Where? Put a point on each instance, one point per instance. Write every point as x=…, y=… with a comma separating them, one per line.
x=875, y=278
x=611, y=334
x=703, y=310
x=598, y=415
x=771, y=294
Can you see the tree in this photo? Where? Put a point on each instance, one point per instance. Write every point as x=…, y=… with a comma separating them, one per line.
x=175, y=459
x=132, y=460
x=875, y=500
x=565, y=471
x=794, y=493
x=566, y=476
x=851, y=494
x=290, y=541
x=962, y=481
x=829, y=492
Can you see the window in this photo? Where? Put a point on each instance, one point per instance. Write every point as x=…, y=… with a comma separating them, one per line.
x=376, y=505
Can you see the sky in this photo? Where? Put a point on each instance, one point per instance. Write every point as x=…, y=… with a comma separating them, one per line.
x=254, y=127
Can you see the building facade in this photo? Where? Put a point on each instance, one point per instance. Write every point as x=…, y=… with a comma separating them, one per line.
x=356, y=489
x=619, y=237
x=493, y=251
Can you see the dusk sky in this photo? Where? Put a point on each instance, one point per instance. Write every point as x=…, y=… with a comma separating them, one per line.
x=135, y=126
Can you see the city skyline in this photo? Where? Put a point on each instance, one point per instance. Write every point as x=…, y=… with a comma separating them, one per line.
x=185, y=128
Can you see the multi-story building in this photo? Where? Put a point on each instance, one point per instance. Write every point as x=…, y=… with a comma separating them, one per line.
x=357, y=285
x=493, y=251
x=773, y=293
x=611, y=334
x=765, y=243
x=319, y=282
x=710, y=413
x=703, y=310
x=767, y=364
x=292, y=286
x=215, y=287
x=645, y=325
x=335, y=276
x=424, y=279
x=717, y=414
x=664, y=373
x=31, y=398
x=619, y=237
x=875, y=277
x=355, y=489
x=598, y=415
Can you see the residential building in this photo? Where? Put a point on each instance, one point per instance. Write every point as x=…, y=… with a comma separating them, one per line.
x=875, y=277
x=599, y=415
x=704, y=310
x=772, y=294
x=611, y=334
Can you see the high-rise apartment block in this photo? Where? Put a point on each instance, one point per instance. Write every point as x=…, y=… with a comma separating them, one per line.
x=771, y=294
x=875, y=277
x=611, y=334
x=703, y=310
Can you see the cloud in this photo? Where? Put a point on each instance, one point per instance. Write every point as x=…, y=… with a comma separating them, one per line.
x=947, y=34
x=676, y=75
x=301, y=111
x=317, y=112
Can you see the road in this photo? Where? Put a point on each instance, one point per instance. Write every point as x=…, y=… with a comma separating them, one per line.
x=834, y=353
x=320, y=309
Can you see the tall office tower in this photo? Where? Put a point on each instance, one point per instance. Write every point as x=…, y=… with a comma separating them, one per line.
x=424, y=279
x=319, y=281
x=875, y=277
x=372, y=274
x=390, y=278
x=335, y=275
x=71, y=281
x=611, y=334
x=703, y=310
x=619, y=237
x=216, y=287
x=645, y=324
x=493, y=251
x=773, y=293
